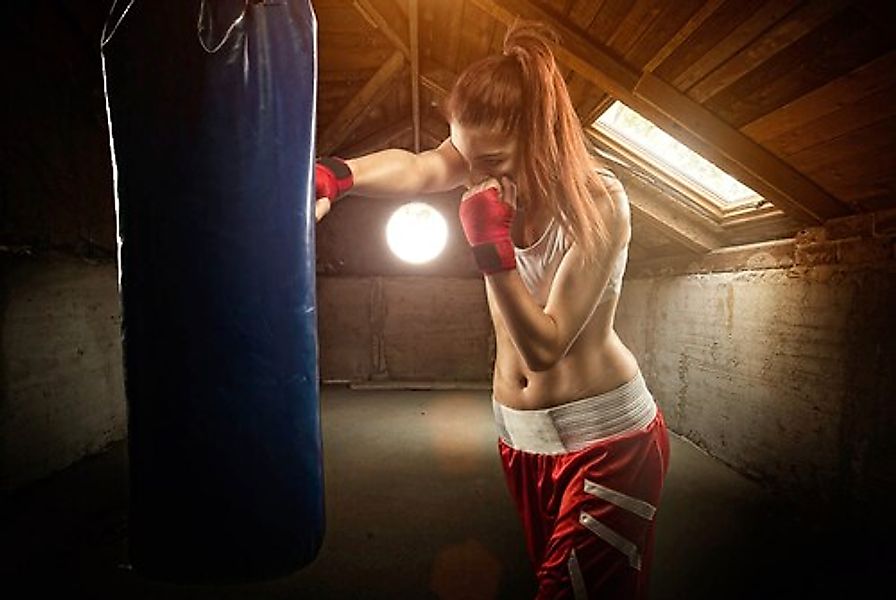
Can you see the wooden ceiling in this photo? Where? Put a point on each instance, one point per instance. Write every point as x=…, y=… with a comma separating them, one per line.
x=795, y=98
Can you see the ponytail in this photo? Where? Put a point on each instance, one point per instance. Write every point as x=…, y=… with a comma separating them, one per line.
x=522, y=93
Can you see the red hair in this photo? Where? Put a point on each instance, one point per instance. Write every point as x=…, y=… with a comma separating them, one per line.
x=521, y=92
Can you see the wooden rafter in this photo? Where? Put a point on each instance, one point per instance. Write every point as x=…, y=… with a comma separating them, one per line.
x=598, y=110
x=436, y=127
x=341, y=126
x=681, y=116
x=380, y=22
x=413, y=27
x=430, y=139
x=409, y=50
x=377, y=140
x=697, y=19
x=434, y=87
x=438, y=78
x=698, y=235
x=691, y=238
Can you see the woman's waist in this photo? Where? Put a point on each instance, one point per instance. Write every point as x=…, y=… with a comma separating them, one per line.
x=577, y=375
x=576, y=424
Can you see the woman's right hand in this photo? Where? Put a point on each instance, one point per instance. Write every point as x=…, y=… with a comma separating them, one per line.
x=332, y=179
x=321, y=208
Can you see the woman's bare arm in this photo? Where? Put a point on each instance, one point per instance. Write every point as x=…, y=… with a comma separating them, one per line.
x=398, y=173
x=543, y=336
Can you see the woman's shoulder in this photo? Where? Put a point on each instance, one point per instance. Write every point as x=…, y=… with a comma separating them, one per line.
x=612, y=201
x=599, y=165
x=605, y=172
x=610, y=188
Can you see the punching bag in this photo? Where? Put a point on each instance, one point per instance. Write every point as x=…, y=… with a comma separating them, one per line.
x=211, y=113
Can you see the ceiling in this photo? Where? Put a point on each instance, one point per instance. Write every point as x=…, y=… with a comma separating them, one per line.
x=795, y=99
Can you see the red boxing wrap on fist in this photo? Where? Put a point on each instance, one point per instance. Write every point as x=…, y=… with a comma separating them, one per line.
x=486, y=220
x=332, y=178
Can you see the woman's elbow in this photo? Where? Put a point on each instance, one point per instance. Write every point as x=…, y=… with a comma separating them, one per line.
x=540, y=360
x=543, y=352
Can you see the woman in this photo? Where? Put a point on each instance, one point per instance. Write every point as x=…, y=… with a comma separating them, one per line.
x=583, y=446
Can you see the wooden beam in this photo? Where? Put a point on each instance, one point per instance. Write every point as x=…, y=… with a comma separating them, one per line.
x=593, y=62
x=455, y=32
x=378, y=140
x=434, y=87
x=871, y=78
x=833, y=49
x=410, y=52
x=429, y=140
x=734, y=152
x=747, y=28
x=378, y=21
x=414, y=22
x=696, y=20
x=633, y=25
x=437, y=77
x=800, y=22
x=437, y=127
x=342, y=125
x=682, y=117
x=654, y=207
x=599, y=109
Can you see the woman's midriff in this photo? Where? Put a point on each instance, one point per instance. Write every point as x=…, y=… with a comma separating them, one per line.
x=597, y=362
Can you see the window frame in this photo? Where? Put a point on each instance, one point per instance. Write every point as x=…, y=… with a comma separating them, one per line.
x=693, y=197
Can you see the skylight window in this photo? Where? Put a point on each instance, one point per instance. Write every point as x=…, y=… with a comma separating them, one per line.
x=663, y=151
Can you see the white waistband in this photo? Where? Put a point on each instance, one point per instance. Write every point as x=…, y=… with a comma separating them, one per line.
x=572, y=426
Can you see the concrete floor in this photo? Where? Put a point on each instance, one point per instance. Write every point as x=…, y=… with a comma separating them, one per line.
x=416, y=508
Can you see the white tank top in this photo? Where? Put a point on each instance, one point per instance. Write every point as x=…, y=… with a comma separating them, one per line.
x=538, y=263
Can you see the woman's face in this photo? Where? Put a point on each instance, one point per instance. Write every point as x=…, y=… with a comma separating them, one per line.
x=488, y=153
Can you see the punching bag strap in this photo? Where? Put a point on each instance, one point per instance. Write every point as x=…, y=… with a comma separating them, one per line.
x=205, y=26
x=117, y=10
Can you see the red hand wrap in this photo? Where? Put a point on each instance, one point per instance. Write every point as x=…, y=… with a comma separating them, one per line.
x=486, y=221
x=332, y=178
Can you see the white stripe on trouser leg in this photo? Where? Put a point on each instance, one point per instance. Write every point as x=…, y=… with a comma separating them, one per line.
x=575, y=577
x=628, y=548
x=629, y=503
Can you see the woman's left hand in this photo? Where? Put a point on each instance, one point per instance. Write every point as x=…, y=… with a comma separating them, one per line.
x=506, y=189
x=486, y=216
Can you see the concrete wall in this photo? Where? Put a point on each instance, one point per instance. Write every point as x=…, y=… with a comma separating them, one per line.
x=61, y=388
x=60, y=353
x=404, y=329
x=783, y=369
x=788, y=373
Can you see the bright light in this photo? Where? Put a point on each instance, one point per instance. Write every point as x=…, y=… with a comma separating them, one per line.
x=671, y=153
x=416, y=233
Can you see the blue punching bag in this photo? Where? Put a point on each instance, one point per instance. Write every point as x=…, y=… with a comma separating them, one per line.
x=211, y=111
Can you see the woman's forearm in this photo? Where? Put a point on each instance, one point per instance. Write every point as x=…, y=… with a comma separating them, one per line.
x=399, y=173
x=386, y=173
x=534, y=333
